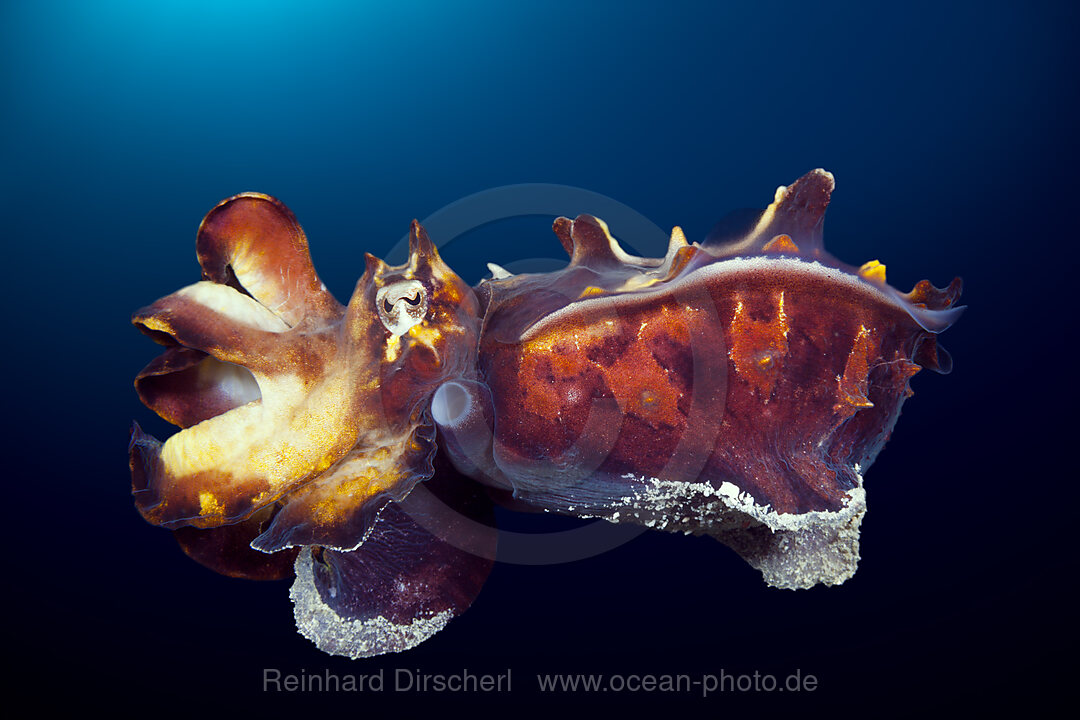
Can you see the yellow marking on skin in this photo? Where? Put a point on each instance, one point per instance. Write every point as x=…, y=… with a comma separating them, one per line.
x=427, y=334
x=770, y=212
x=393, y=348
x=157, y=323
x=209, y=505
x=873, y=271
x=591, y=291
x=264, y=446
x=449, y=293
x=358, y=488
x=548, y=343
x=324, y=463
x=637, y=282
x=360, y=476
x=260, y=499
x=678, y=238
x=780, y=244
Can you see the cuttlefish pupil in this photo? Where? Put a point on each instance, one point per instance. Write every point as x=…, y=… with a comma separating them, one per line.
x=389, y=306
x=402, y=305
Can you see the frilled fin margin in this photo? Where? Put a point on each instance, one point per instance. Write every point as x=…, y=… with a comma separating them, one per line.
x=422, y=564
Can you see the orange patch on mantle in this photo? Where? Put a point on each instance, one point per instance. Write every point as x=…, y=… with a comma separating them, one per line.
x=759, y=346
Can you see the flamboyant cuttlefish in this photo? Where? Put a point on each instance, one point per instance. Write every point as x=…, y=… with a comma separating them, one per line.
x=738, y=389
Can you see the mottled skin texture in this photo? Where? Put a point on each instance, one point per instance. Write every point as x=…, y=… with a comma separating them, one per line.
x=609, y=396
x=288, y=398
x=809, y=394
x=737, y=388
x=725, y=387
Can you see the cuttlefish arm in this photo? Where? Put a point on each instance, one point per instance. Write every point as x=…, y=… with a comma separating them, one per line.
x=227, y=549
x=286, y=399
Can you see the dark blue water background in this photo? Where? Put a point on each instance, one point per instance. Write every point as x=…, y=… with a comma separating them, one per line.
x=950, y=132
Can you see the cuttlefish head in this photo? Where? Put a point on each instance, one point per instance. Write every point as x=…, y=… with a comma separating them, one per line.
x=298, y=416
x=417, y=321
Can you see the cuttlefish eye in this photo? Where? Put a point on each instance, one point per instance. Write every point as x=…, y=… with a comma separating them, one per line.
x=402, y=305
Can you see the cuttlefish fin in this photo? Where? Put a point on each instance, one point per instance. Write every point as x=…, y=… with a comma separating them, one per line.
x=422, y=563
